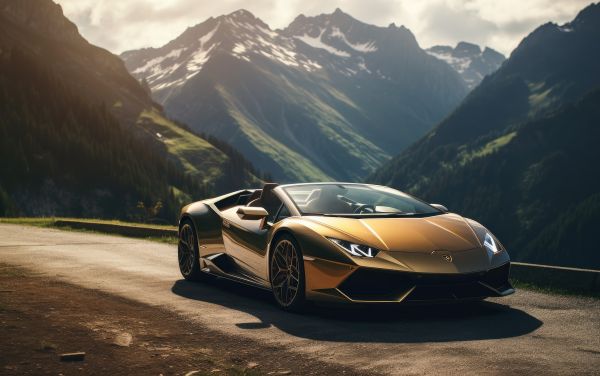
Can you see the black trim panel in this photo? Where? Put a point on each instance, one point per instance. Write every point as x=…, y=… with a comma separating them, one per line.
x=381, y=285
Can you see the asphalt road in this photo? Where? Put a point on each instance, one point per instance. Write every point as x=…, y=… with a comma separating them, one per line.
x=525, y=333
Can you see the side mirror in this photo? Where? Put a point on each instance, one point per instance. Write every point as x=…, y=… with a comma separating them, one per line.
x=440, y=207
x=252, y=213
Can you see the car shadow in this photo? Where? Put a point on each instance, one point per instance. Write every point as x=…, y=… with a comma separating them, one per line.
x=370, y=323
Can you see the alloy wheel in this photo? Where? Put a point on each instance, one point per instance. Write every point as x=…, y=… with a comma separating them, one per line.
x=186, y=251
x=285, y=272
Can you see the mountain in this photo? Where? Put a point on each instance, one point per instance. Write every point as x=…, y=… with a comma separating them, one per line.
x=81, y=136
x=518, y=153
x=469, y=61
x=328, y=97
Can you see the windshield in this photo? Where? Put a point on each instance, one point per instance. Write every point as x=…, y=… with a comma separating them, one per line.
x=355, y=200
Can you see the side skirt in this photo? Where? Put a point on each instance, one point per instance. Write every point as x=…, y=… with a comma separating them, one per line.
x=222, y=266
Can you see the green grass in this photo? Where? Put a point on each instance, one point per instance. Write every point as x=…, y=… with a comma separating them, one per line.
x=489, y=148
x=50, y=222
x=334, y=126
x=39, y=222
x=194, y=154
x=291, y=162
x=181, y=196
x=552, y=290
x=540, y=96
x=538, y=99
x=285, y=144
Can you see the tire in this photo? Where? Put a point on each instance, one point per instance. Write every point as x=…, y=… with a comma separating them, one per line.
x=188, y=254
x=286, y=269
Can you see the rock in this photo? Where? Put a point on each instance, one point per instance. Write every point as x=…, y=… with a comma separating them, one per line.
x=123, y=339
x=251, y=365
x=72, y=357
x=47, y=346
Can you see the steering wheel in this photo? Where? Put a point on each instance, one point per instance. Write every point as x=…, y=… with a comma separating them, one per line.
x=346, y=200
x=364, y=208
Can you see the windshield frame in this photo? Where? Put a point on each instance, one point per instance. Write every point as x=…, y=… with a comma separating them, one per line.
x=435, y=211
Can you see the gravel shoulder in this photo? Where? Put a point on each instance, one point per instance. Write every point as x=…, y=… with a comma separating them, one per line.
x=526, y=333
x=42, y=318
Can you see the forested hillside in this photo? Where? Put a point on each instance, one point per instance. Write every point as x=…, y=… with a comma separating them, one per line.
x=329, y=97
x=519, y=153
x=81, y=137
x=61, y=154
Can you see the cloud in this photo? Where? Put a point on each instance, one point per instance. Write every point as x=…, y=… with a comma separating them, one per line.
x=121, y=25
x=444, y=24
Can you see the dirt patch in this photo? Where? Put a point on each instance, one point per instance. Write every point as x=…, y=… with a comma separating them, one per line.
x=41, y=318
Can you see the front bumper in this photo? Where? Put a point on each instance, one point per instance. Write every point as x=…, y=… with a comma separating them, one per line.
x=369, y=285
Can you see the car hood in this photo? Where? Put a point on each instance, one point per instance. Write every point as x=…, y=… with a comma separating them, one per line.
x=445, y=232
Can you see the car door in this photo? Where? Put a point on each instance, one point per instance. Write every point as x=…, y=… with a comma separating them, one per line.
x=246, y=240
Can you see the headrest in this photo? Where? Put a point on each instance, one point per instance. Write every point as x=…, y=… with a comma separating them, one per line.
x=267, y=194
x=268, y=188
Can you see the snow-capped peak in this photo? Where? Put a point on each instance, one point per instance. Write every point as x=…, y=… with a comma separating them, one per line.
x=365, y=47
x=469, y=61
x=238, y=34
x=317, y=42
x=334, y=42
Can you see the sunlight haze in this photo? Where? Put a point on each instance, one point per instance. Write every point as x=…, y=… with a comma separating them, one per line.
x=119, y=25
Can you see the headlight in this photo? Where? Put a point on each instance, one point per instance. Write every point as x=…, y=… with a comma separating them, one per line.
x=486, y=238
x=491, y=244
x=357, y=250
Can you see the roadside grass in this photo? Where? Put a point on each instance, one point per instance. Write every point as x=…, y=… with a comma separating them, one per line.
x=39, y=222
x=552, y=290
x=50, y=222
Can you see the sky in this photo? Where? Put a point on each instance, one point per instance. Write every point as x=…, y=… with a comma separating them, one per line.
x=119, y=25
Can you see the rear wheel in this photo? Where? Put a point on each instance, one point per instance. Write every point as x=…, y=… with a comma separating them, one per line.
x=287, y=274
x=188, y=254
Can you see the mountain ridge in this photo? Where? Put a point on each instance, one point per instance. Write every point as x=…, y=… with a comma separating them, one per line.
x=469, y=61
x=313, y=101
x=95, y=95
x=486, y=161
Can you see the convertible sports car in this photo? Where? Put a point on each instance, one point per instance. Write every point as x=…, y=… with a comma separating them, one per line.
x=341, y=242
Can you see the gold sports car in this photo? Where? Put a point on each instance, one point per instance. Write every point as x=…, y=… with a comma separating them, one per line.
x=341, y=242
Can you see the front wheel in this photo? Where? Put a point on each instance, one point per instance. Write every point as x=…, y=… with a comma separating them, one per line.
x=287, y=274
x=188, y=255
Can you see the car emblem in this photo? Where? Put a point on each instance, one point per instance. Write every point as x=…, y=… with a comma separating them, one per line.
x=446, y=256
